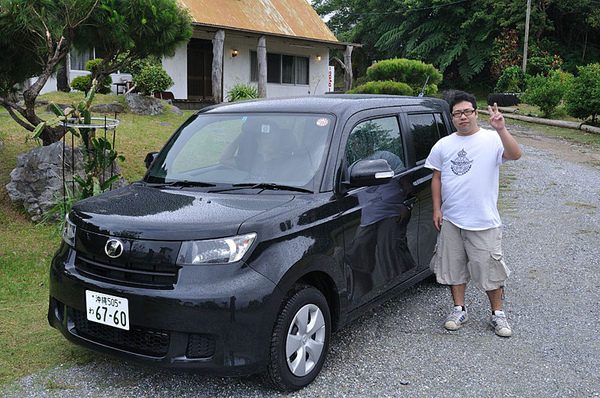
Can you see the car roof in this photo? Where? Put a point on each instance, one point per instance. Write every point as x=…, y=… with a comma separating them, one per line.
x=337, y=104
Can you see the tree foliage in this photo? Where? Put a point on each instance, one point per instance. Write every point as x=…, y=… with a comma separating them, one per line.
x=35, y=35
x=546, y=92
x=460, y=37
x=583, y=96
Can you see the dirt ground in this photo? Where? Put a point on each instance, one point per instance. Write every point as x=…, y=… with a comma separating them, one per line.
x=565, y=149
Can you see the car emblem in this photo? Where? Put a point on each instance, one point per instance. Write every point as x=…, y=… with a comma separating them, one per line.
x=113, y=248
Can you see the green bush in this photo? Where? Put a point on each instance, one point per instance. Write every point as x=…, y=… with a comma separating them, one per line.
x=546, y=92
x=241, y=92
x=151, y=79
x=82, y=83
x=543, y=63
x=513, y=80
x=413, y=73
x=582, y=99
x=383, y=87
x=139, y=64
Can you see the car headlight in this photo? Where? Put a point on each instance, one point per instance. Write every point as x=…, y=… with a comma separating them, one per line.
x=211, y=251
x=69, y=232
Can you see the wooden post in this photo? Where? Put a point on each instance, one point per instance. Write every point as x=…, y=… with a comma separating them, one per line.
x=261, y=54
x=217, y=66
x=348, y=68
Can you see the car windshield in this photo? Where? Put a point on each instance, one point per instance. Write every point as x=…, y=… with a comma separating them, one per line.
x=278, y=149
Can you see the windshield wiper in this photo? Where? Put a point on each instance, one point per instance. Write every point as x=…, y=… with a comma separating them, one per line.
x=264, y=186
x=182, y=184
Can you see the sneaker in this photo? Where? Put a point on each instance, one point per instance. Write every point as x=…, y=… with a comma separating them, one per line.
x=500, y=324
x=457, y=317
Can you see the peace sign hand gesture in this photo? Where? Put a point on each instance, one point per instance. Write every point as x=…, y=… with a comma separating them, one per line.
x=496, y=118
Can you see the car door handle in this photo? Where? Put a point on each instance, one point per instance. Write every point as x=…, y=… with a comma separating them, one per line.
x=410, y=202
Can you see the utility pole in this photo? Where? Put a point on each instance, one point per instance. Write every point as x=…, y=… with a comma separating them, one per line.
x=526, y=36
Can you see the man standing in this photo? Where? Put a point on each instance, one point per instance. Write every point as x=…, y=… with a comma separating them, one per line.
x=465, y=193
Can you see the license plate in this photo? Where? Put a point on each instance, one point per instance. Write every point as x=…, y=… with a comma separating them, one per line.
x=107, y=310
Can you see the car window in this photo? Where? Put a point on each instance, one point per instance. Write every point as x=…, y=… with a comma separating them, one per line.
x=377, y=139
x=425, y=129
x=234, y=149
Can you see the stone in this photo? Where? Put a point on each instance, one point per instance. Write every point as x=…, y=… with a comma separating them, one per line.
x=37, y=181
x=108, y=108
x=176, y=110
x=143, y=105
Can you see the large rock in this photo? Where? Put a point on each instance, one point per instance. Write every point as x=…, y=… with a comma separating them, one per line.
x=37, y=181
x=143, y=105
x=107, y=108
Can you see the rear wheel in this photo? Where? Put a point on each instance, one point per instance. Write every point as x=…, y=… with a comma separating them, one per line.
x=300, y=339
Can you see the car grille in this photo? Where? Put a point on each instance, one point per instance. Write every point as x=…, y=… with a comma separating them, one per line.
x=200, y=346
x=155, y=276
x=137, y=340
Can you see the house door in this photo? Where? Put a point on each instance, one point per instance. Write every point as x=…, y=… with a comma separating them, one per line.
x=199, y=69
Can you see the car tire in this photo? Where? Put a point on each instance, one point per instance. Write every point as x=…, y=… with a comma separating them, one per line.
x=300, y=339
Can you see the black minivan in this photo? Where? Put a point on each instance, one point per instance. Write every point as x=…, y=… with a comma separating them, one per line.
x=259, y=229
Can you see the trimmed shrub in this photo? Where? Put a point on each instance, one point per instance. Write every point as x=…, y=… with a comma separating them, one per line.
x=152, y=78
x=582, y=99
x=82, y=83
x=413, y=73
x=383, y=87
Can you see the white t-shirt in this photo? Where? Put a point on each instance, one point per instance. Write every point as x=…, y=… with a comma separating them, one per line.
x=470, y=167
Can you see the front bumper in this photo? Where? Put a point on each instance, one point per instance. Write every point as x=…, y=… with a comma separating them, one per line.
x=216, y=318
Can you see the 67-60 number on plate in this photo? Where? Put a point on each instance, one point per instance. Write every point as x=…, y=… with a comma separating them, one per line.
x=106, y=309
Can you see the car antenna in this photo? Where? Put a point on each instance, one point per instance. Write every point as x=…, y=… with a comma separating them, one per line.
x=422, y=94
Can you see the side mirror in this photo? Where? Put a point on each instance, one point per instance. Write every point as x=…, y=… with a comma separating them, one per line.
x=369, y=172
x=150, y=158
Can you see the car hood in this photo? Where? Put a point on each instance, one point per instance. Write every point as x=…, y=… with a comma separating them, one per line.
x=142, y=212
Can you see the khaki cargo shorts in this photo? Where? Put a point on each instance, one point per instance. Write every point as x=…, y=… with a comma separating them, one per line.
x=462, y=255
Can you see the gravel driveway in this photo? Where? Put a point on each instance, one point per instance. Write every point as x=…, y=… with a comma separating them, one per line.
x=550, y=204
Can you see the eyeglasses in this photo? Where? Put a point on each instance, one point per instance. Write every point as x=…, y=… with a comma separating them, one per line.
x=466, y=112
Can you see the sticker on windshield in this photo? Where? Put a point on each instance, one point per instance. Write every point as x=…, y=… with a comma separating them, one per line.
x=322, y=122
x=265, y=129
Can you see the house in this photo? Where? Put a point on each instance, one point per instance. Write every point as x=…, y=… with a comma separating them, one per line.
x=280, y=46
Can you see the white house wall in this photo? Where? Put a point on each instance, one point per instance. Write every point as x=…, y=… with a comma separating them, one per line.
x=176, y=67
x=236, y=70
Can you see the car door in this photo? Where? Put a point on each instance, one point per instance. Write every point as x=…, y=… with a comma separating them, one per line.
x=425, y=128
x=380, y=243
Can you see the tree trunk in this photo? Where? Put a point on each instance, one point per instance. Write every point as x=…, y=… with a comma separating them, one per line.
x=62, y=77
x=348, y=68
x=261, y=54
x=217, y=66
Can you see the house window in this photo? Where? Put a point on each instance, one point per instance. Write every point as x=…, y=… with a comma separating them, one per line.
x=80, y=58
x=281, y=69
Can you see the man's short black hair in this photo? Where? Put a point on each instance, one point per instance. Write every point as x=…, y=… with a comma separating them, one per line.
x=455, y=97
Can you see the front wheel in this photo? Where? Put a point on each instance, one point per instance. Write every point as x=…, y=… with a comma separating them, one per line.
x=300, y=339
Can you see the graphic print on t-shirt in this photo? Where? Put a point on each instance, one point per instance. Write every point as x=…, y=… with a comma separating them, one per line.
x=461, y=165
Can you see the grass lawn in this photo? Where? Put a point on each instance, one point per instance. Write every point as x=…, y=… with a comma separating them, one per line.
x=28, y=343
